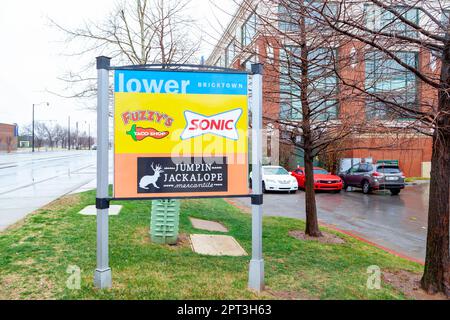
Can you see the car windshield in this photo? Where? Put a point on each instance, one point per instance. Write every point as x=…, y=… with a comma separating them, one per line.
x=275, y=171
x=320, y=171
x=388, y=169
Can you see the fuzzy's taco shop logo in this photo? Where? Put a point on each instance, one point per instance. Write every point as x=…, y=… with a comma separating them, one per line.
x=139, y=133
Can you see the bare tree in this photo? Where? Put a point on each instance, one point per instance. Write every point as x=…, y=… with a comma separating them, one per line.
x=135, y=33
x=390, y=35
x=302, y=90
x=9, y=143
x=59, y=135
x=39, y=134
x=47, y=133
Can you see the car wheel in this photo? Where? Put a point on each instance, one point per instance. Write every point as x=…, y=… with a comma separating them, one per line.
x=337, y=191
x=395, y=192
x=264, y=187
x=293, y=192
x=344, y=186
x=366, y=187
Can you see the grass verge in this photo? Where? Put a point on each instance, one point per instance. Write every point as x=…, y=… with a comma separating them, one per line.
x=36, y=254
x=412, y=179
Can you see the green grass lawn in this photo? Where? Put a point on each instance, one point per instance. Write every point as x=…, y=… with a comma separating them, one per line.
x=35, y=255
x=412, y=179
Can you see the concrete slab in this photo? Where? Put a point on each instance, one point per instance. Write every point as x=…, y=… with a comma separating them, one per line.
x=216, y=245
x=92, y=211
x=208, y=225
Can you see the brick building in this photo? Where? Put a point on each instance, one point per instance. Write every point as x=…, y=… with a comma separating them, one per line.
x=244, y=42
x=8, y=137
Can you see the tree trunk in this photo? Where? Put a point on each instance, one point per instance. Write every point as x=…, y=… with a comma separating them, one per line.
x=436, y=277
x=312, y=224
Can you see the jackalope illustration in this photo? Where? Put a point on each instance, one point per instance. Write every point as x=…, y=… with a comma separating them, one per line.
x=146, y=181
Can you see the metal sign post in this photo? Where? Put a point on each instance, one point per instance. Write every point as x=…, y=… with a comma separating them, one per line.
x=102, y=278
x=256, y=270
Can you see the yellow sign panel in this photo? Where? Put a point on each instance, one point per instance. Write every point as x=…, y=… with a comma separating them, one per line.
x=180, y=134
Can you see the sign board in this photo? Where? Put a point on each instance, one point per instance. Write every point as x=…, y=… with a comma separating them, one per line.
x=180, y=134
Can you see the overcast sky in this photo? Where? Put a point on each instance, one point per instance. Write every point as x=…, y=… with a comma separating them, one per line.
x=31, y=54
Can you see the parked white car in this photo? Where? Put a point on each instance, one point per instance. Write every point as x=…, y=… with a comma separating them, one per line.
x=276, y=178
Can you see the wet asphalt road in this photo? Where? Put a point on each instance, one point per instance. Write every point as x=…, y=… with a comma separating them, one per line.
x=395, y=222
x=29, y=181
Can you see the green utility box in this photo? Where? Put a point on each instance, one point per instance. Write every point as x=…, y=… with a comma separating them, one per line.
x=165, y=221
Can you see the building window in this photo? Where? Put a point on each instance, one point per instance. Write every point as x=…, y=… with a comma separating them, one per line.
x=379, y=19
x=322, y=89
x=289, y=17
x=220, y=62
x=434, y=59
x=230, y=53
x=315, y=10
x=248, y=30
x=389, y=80
x=247, y=65
x=445, y=18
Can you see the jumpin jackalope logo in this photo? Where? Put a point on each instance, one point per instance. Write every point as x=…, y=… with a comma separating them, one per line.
x=151, y=180
x=167, y=174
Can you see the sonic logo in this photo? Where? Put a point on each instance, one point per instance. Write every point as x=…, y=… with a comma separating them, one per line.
x=139, y=134
x=222, y=124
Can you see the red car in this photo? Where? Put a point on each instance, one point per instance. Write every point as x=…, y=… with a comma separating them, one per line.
x=323, y=180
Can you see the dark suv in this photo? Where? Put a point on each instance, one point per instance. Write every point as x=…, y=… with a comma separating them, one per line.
x=370, y=177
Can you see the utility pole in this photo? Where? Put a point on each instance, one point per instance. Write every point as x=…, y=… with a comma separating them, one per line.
x=69, y=134
x=78, y=141
x=32, y=142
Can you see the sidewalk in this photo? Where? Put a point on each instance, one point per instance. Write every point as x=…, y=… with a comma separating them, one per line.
x=29, y=181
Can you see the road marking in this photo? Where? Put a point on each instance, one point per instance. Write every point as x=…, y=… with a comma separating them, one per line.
x=42, y=159
x=6, y=167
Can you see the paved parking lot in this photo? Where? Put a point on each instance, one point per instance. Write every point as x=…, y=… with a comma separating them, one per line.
x=395, y=222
